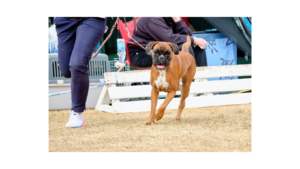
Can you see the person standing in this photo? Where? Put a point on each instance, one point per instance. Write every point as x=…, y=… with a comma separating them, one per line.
x=77, y=39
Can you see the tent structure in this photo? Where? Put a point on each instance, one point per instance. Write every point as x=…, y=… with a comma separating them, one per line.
x=237, y=29
x=233, y=27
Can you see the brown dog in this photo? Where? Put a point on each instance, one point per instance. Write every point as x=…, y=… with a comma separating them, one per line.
x=168, y=67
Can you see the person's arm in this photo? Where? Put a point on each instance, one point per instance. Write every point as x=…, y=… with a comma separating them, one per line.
x=176, y=19
x=159, y=31
x=181, y=28
x=200, y=42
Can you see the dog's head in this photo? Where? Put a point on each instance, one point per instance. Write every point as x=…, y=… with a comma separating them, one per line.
x=162, y=53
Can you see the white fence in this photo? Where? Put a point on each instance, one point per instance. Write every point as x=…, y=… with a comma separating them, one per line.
x=200, y=85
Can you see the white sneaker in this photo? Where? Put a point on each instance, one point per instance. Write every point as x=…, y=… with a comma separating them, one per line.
x=76, y=120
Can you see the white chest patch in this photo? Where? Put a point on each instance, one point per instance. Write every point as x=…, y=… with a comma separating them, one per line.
x=161, y=80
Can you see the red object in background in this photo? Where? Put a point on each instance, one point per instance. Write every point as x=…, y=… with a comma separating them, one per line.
x=124, y=33
x=130, y=25
x=185, y=19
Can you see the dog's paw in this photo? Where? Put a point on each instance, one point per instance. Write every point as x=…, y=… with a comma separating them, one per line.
x=176, y=120
x=149, y=123
x=159, y=116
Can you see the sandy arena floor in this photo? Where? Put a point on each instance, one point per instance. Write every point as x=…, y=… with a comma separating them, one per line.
x=209, y=129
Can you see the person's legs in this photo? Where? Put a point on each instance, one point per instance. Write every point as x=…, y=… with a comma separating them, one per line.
x=140, y=59
x=191, y=50
x=88, y=35
x=200, y=56
x=198, y=53
x=66, y=33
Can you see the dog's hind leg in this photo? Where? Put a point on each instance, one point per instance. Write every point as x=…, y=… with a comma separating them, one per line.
x=184, y=93
x=186, y=83
x=160, y=112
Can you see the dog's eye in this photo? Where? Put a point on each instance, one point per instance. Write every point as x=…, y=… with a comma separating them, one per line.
x=156, y=53
x=167, y=53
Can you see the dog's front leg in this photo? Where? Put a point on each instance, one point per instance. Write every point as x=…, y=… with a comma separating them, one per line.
x=163, y=106
x=154, y=98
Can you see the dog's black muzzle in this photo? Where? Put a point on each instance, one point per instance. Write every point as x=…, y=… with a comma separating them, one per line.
x=161, y=62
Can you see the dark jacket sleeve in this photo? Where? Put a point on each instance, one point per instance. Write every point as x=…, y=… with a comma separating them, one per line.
x=181, y=28
x=158, y=29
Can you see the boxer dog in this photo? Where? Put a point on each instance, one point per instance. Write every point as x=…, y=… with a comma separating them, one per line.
x=168, y=67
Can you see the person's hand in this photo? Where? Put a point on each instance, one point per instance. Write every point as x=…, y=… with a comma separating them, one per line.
x=200, y=42
x=176, y=19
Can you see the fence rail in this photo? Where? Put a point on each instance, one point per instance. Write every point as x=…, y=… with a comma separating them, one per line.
x=200, y=85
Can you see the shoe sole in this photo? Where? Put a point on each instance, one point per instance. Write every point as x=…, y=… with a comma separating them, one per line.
x=83, y=124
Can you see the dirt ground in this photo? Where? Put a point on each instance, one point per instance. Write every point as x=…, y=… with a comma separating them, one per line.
x=209, y=129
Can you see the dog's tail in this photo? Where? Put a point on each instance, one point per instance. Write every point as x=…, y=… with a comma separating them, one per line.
x=187, y=44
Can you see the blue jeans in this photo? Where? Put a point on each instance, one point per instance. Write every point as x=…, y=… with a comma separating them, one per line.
x=76, y=42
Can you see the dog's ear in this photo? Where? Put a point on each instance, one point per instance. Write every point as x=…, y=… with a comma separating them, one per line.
x=150, y=47
x=174, y=47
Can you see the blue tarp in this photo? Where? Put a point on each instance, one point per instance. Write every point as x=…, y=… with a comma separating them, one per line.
x=219, y=51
